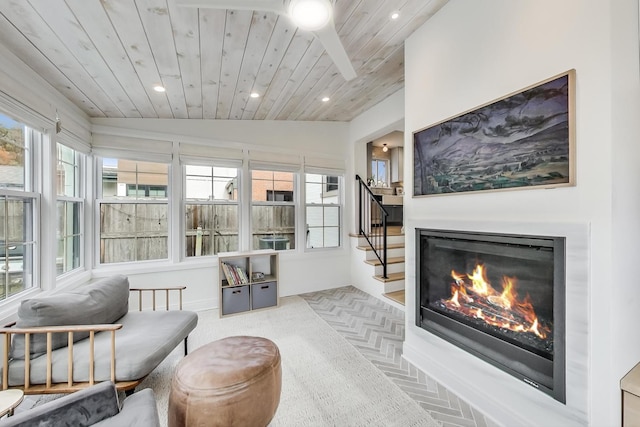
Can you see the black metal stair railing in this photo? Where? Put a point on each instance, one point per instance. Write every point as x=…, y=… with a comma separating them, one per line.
x=372, y=223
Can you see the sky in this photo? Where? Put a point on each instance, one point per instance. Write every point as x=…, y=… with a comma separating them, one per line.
x=8, y=123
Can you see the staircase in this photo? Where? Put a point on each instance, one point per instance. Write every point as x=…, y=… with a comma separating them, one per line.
x=383, y=247
x=370, y=273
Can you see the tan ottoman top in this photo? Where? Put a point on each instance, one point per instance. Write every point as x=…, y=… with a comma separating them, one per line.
x=227, y=363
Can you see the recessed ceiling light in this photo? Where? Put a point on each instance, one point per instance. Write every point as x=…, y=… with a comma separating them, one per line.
x=159, y=88
x=326, y=99
x=255, y=95
x=310, y=15
x=395, y=15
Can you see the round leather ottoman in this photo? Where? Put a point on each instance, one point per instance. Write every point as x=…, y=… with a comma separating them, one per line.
x=234, y=381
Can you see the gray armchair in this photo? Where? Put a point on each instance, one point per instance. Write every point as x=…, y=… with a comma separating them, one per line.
x=94, y=406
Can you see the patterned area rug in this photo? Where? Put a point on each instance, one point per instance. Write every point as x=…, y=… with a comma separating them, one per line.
x=325, y=380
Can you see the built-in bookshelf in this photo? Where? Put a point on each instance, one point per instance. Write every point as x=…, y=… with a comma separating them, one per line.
x=247, y=281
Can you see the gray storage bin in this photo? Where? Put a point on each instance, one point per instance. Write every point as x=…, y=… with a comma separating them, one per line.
x=264, y=295
x=235, y=299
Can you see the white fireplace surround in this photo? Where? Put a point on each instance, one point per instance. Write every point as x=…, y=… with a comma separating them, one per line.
x=499, y=395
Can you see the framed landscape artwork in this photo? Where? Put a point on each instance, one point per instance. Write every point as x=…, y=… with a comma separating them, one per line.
x=523, y=140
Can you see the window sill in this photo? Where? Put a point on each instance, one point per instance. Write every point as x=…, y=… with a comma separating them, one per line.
x=153, y=267
x=9, y=307
x=202, y=262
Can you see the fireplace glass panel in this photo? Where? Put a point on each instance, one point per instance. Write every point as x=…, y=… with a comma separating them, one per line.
x=467, y=280
x=500, y=297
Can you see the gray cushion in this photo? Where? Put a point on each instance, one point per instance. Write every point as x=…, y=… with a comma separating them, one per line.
x=137, y=410
x=104, y=301
x=145, y=340
x=82, y=408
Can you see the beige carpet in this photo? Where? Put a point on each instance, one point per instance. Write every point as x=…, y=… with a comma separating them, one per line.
x=325, y=381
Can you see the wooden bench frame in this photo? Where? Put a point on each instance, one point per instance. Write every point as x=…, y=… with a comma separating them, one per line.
x=70, y=386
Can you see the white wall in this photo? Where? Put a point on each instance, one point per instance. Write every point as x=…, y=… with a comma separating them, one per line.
x=385, y=117
x=625, y=201
x=473, y=52
x=300, y=271
x=327, y=138
x=381, y=119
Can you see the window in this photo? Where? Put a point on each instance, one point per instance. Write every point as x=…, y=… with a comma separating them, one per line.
x=70, y=207
x=323, y=203
x=134, y=211
x=332, y=183
x=273, y=210
x=211, y=210
x=18, y=206
x=142, y=190
x=379, y=170
x=279, y=196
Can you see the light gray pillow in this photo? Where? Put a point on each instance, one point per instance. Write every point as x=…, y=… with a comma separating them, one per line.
x=104, y=301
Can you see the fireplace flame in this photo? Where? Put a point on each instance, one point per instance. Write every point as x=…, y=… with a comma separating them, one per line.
x=454, y=299
x=479, y=280
x=472, y=295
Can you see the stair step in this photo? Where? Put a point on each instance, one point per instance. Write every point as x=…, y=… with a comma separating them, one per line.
x=391, y=240
x=376, y=262
x=397, y=296
x=389, y=246
x=396, y=231
x=392, y=277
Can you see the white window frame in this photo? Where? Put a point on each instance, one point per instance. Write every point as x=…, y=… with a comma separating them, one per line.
x=339, y=205
x=237, y=165
x=387, y=181
x=34, y=141
x=80, y=199
x=100, y=200
x=297, y=195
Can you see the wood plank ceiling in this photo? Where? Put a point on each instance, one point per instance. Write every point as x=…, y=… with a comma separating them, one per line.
x=106, y=56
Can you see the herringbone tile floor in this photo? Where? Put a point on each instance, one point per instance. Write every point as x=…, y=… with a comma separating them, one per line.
x=376, y=329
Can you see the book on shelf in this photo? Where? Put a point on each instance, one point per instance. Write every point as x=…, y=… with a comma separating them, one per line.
x=235, y=274
x=227, y=273
x=239, y=276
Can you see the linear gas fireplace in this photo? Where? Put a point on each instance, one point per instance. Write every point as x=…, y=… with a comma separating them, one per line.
x=499, y=297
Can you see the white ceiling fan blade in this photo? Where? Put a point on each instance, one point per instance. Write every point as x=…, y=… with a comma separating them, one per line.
x=277, y=6
x=328, y=36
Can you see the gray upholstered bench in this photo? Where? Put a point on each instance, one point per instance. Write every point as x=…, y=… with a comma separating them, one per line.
x=70, y=340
